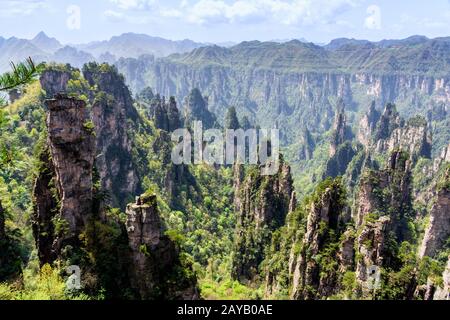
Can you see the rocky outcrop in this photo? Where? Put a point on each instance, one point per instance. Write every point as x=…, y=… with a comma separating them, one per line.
x=156, y=270
x=307, y=146
x=383, y=134
x=164, y=114
x=45, y=207
x=338, y=163
x=371, y=247
x=196, y=109
x=443, y=292
x=414, y=138
x=54, y=80
x=367, y=125
x=341, y=132
x=261, y=204
x=71, y=143
x=113, y=116
x=387, y=191
x=438, y=229
x=309, y=278
x=383, y=206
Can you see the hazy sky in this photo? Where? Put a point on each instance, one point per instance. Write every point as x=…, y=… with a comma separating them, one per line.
x=225, y=20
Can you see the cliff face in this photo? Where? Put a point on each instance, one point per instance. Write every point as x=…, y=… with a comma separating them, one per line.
x=55, y=80
x=164, y=114
x=341, y=132
x=367, y=125
x=307, y=146
x=384, y=205
x=113, y=115
x=72, y=148
x=438, y=229
x=46, y=206
x=443, y=292
x=288, y=96
x=382, y=134
x=312, y=278
x=71, y=220
x=261, y=203
x=341, y=149
x=156, y=270
x=196, y=109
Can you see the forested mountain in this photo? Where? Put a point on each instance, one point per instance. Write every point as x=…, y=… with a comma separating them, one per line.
x=359, y=207
x=127, y=45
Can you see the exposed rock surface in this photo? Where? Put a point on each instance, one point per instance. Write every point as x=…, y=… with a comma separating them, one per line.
x=371, y=246
x=383, y=134
x=156, y=271
x=113, y=115
x=341, y=132
x=164, y=114
x=443, y=292
x=45, y=207
x=383, y=205
x=438, y=229
x=54, y=81
x=72, y=148
x=307, y=146
x=387, y=191
x=261, y=203
x=308, y=279
x=368, y=124
x=196, y=109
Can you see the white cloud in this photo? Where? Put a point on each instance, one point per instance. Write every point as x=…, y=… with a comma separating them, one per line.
x=12, y=8
x=296, y=12
x=133, y=4
x=288, y=12
x=113, y=16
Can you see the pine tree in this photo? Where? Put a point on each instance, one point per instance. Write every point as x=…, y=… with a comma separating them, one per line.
x=21, y=74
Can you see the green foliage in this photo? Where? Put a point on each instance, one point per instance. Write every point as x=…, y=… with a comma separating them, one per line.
x=21, y=74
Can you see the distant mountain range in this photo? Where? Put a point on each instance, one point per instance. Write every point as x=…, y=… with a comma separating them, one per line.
x=416, y=53
x=127, y=45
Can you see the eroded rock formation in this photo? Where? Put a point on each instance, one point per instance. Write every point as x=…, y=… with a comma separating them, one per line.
x=156, y=270
x=438, y=229
x=309, y=278
x=72, y=147
x=261, y=203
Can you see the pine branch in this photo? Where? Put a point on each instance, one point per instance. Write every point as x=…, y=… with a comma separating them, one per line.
x=21, y=74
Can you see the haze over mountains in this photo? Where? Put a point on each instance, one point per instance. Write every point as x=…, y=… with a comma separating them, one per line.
x=132, y=45
x=127, y=45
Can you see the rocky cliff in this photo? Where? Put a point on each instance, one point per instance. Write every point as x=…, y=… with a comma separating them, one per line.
x=261, y=204
x=196, y=109
x=156, y=270
x=438, y=229
x=314, y=273
x=164, y=114
x=388, y=131
x=298, y=90
x=72, y=148
x=72, y=220
x=113, y=116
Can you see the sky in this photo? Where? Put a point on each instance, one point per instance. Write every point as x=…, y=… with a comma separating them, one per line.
x=219, y=21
